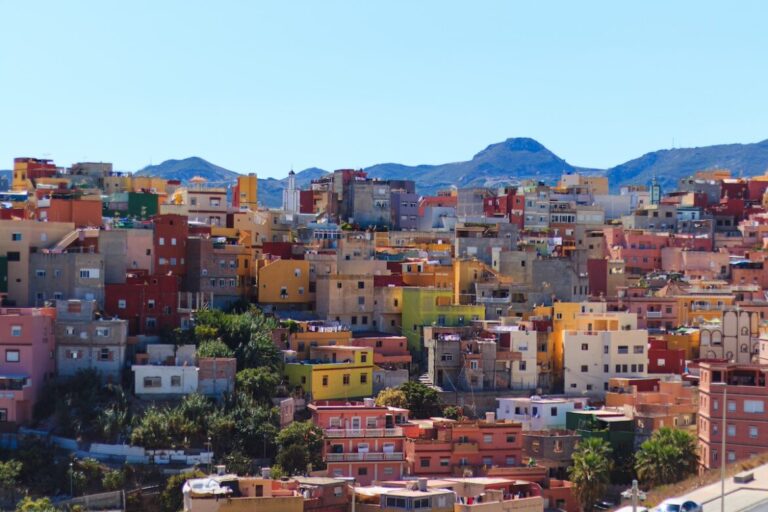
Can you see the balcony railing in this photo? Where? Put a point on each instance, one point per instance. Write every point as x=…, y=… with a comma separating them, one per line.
x=653, y=314
x=364, y=456
x=493, y=300
x=364, y=432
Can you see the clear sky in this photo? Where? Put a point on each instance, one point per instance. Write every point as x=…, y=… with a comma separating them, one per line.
x=263, y=86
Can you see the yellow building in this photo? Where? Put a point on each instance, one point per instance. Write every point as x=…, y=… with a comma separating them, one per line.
x=424, y=273
x=686, y=338
x=565, y=316
x=285, y=282
x=337, y=372
x=468, y=272
x=248, y=191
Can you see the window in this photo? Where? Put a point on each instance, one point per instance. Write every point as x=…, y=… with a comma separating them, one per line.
x=511, y=438
x=16, y=237
x=176, y=381
x=445, y=462
x=70, y=330
x=363, y=378
x=325, y=380
x=14, y=256
x=105, y=354
x=424, y=462
x=639, y=349
x=487, y=461
x=360, y=285
x=623, y=349
x=12, y=356
x=584, y=368
x=731, y=430
x=151, y=322
x=362, y=471
x=102, y=331
x=753, y=432
x=752, y=406
x=15, y=331
x=152, y=382
x=511, y=461
x=40, y=273
x=487, y=438
x=121, y=304
x=732, y=406
x=89, y=273
x=606, y=369
x=585, y=346
x=446, y=357
x=605, y=349
x=345, y=379
x=161, y=241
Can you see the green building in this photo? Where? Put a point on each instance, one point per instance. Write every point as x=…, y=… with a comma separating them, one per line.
x=433, y=306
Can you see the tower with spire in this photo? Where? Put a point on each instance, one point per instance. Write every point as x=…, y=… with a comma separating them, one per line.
x=291, y=195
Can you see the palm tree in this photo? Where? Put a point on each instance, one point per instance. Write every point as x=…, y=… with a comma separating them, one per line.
x=590, y=471
x=670, y=455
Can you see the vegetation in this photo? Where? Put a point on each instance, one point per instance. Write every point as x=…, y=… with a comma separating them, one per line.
x=171, y=499
x=300, y=444
x=590, y=471
x=453, y=412
x=259, y=384
x=391, y=397
x=670, y=455
x=214, y=348
x=39, y=505
x=422, y=400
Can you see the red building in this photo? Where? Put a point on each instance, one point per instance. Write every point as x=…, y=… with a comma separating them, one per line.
x=148, y=303
x=170, y=244
x=743, y=387
x=662, y=359
x=82, y=212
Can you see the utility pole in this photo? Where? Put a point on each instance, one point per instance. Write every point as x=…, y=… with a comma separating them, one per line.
x=722, y=448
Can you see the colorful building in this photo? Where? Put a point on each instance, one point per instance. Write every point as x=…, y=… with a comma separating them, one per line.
x=428, y=306
x=27, y=342
x=333, y=373
x=362, y=440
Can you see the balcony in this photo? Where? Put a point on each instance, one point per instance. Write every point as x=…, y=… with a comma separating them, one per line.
x=364, y=457
x=493, y=300
x=366, y=432
x=653, y=314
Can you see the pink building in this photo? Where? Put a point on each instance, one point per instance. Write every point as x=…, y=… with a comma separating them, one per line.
x=27, y=348
x=746, y=425
x=388, y=350
x=362, y=440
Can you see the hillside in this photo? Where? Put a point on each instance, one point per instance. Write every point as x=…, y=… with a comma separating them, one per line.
x=505, y=162
x=669, y=165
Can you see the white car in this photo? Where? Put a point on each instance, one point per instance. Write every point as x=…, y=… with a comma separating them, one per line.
x=678, y=505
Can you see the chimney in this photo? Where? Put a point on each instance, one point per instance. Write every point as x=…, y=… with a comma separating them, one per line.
x=266, y=472
x=369, y=402
x=221, y=469
x=422, y=484
x=490, y=417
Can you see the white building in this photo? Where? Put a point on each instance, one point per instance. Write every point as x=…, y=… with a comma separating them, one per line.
x=538, y=413
x=291, y=195
x=605, y=345
x=166, y=371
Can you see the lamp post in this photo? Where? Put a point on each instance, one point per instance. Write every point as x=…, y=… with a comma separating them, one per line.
x=210, y=455
x=634, y=494
x=724, y=430
x=71, y=479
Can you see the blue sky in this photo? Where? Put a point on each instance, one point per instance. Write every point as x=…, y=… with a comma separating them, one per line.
x=263, y=86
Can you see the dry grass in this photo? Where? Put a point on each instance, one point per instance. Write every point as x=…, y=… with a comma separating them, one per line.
x=659, y=494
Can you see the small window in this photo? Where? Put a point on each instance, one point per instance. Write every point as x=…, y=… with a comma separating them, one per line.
x=176, y=381
x=15, y=331
x=363, y=378
x=12, y=356
x=360, y=285
x=152, y=382
x=325, y=380
x=346, y=379
x=16, y=237
x=121, y=304
x=105, y=354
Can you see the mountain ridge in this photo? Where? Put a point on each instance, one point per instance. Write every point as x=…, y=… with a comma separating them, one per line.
x=500, y=163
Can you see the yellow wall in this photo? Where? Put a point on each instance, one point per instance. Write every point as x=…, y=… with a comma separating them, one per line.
x=248, y=188
x=687, y=315
x=335, y=389
x=320, y=339
x=689, y=342
x=282, y=273
x=465, y=274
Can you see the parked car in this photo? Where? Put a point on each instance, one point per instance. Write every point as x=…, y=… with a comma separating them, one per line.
x=604, y=505
x=678, y=505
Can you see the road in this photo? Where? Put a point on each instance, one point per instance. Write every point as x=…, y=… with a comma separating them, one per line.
x=751, y=497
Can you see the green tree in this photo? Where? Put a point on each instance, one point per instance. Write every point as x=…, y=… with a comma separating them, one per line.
x=10, y=472
x=214, y=348
x=171, y=499
x=422, y=400
x=590, y=471
x=307, y=435
x=453, y=412
x=259, y=383
x=294, y=459
x=29, y=504
x=392, y=397
x=113, y=480
x=670, y=455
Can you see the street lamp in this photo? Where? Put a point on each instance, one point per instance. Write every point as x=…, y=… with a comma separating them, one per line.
x=71, y=479
x=210, y=455
x=635, y=494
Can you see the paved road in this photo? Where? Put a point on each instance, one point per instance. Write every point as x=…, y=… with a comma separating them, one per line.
x=751, y=497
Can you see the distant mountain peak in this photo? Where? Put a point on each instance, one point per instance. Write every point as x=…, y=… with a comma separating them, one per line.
x=513, y=145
